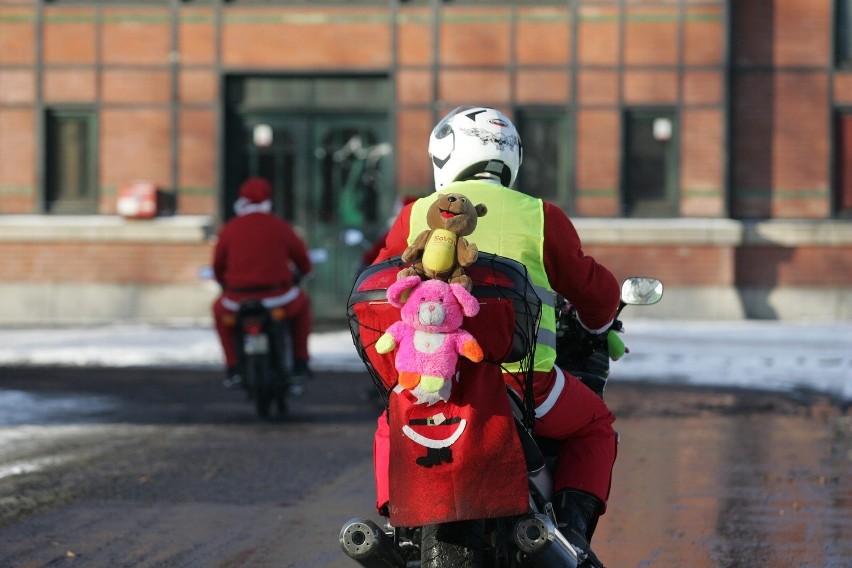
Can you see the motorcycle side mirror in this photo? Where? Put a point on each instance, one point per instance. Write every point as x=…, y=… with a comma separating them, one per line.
x=641, y=291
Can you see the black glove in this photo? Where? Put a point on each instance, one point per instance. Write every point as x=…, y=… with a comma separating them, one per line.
x=577, y=348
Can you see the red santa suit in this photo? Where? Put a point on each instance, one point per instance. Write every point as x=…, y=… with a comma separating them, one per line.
x=253, y=259
x=566, y=409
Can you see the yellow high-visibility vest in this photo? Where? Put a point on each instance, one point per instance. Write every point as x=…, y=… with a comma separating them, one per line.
x=513, y=227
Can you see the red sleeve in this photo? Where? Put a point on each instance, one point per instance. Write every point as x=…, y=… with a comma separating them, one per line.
x=397, y=238
x=588, y=285
x=298, y=252
x=220, y=257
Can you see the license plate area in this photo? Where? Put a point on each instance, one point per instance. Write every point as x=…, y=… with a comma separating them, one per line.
x=256, y=344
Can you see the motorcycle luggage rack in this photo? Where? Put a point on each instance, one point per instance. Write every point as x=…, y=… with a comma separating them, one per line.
x=493, y=276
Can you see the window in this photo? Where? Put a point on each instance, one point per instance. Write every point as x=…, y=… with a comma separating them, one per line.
x=843, y=34
x=71, y=173
x=548, y=166
x=650, y=164
x=843, y=165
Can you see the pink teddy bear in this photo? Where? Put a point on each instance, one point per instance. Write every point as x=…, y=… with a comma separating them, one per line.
x=429, y=336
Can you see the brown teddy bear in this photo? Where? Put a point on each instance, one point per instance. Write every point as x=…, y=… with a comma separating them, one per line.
x=442, y=252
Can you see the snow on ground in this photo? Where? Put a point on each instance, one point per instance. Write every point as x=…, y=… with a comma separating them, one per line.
x=778, y=356
x=770, y=355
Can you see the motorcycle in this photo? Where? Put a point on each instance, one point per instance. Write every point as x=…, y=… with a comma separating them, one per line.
x=265, y=357
x=482, y=529
x=264, y=353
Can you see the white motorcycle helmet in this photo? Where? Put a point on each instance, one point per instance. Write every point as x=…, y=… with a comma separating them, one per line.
x=475, y=140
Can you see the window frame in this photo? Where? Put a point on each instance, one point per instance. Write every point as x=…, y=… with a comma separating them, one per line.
x=842, y=171
x=56, y=199
x=843, y=34
x=669, y=205
x=564, y=194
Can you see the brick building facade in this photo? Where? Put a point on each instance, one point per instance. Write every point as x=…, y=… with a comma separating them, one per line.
x=703, y=141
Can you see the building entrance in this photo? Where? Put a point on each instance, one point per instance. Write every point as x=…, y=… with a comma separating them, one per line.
x=331, y=174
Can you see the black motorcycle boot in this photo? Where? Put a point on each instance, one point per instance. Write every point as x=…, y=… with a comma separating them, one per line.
x=577, y=515
x=301, y=371
x=233, y=379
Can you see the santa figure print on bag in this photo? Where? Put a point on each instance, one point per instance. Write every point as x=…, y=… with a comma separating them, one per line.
x=429, y=340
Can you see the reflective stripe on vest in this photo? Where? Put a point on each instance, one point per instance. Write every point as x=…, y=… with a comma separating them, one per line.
x=512, y=227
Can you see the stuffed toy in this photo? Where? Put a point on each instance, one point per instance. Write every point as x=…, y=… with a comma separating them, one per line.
x=442, y=252
x=429, y=338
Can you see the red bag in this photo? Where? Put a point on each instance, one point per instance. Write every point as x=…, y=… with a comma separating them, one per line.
x=456, y=460
x=460, y=459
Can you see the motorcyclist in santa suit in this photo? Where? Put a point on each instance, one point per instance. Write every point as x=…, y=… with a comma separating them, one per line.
x=255, y=257
x=476, y=151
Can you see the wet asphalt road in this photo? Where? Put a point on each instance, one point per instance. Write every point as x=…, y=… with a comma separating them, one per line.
x=158, y=467
x=137, y=467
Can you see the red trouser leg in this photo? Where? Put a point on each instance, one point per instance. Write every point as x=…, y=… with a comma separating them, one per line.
x=582, y=421
x=381, y=461
x=226, y=333
x=299, y=313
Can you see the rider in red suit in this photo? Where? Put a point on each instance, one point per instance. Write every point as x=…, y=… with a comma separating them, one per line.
x=253, y=259
x=566, y=409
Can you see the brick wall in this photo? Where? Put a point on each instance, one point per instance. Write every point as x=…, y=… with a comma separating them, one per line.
x=597, y=57
x=781, y=107
x=160, y=111
x=70, y=269
x=102, y=262
x=56, y=270
x=104, y=250
x=716, y=268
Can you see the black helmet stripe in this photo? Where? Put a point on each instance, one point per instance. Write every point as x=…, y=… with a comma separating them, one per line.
x=472, y=115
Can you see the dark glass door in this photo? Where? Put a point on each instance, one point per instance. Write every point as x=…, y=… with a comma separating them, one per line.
x=330, y=175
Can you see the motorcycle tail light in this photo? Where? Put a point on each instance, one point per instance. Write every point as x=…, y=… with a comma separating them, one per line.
x=253, y=328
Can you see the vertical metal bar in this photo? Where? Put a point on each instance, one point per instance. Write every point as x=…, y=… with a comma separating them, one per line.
x=513, y=59
x=219, y=111
x=681, y=58
x=40, y=138
x=572, y=106
x=436, y=54
x=680, y=107
x=622, y=174
x=99, y=93
x=833, y=118
x=174, y=100
x=727, y=88
x=394, y=76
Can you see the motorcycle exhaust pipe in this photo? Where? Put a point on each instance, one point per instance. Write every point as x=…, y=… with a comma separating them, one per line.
x=363, y=541
x=537, y=536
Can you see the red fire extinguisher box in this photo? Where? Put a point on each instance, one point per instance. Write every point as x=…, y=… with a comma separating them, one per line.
x=138, y=200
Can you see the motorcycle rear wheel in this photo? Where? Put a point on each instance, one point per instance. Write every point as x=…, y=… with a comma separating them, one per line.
x=271, y=402
x=452, y=545
x=263, y=403
x=257, y=371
